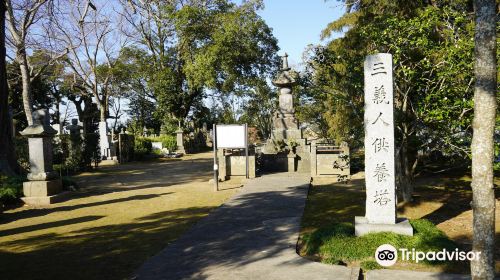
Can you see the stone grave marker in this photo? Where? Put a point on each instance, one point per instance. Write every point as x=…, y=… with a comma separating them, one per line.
x=379, y=150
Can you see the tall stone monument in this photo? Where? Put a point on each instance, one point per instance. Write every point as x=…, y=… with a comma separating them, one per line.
x=285, y=125
x=180, y=141
x=379, y=150
x=44, y=185
x=286, y=149
x=104, y=141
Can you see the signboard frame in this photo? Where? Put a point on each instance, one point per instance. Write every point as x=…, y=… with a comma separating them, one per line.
x=216, y=146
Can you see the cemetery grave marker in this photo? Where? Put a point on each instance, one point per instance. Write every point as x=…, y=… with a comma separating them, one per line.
x=379, y=150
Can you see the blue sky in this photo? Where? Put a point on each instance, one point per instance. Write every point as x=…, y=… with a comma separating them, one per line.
x=297, y=23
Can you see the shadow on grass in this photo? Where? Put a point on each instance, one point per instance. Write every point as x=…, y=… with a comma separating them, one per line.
x=49, y=225
x=334, y=203
x=251, y=227
x=31, y=213
x=337, y=204
x=454, y=194
x=105, y=252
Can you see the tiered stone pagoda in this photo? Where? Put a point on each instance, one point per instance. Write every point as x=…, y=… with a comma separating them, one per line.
x=285, y=125
x=286, y=150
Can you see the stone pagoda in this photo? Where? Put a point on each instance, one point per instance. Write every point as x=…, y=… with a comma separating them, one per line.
x=285, y=125
x=286, y=150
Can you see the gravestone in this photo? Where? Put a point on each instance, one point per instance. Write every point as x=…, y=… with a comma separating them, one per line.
x=44, y=186
x=74, y=128
x=180, y=141
x=379, y=150
x=104, y=141
x=126, y=145
x=74, y=137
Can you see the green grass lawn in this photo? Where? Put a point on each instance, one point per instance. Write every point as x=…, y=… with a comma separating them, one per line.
x=114, y=222
x=336, y=244
x=440, y=215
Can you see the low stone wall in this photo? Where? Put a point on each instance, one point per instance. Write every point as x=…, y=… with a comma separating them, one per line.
x=234, y=164
x=328, y=160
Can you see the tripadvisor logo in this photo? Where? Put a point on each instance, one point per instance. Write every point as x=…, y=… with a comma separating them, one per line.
x=387, y=255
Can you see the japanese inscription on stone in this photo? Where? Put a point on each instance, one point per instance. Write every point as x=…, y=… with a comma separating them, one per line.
x=379, y=140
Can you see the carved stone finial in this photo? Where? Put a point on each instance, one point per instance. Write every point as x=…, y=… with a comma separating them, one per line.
x=285, y=63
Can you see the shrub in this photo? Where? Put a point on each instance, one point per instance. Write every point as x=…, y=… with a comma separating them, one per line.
x=142, y=147
x=11, y=188
x=79, y=154
x=21, y=147
x=168, y=141
x=91, y=151
x=68, y=183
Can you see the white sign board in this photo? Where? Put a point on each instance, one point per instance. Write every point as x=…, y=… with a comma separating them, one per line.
x=231, y=136
x=379, y=140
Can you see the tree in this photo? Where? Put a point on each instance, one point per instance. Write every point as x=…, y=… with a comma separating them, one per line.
x=23, y=17
x=190, y=48
x=88, y=33
x=485, y=91
x=431, y=43
x=41, y=86
x=130, y=75
x=8, y=163
x=258, y=109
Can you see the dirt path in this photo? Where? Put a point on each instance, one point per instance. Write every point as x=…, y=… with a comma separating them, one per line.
x=118, y=218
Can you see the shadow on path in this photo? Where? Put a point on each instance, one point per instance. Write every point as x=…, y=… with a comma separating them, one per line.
x=252, y=236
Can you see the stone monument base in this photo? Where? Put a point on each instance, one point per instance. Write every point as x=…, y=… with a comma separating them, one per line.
x=287, y=134
x=362, y=227
x=40, y=193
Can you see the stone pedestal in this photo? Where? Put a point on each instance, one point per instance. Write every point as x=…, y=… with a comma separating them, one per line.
x=286, y=126
x=291, y=162
x=43, y=187
x=40, y=193
x=362, y=226
x=180, y=141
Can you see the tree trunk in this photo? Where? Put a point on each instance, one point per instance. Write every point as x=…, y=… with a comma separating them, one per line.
x=58, y=115
x=102, y=111
x=25, y=74
x=483, y=195
x=8, y=162
x=405, y=172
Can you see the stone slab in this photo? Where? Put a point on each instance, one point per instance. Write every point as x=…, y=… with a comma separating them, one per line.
x=379, y=140
x=392, y=274
x=46, y=200
x=362, y=227
x=42, y=188
x=237, y=166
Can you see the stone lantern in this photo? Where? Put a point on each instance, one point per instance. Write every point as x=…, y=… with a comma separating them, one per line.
x=44, y=184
